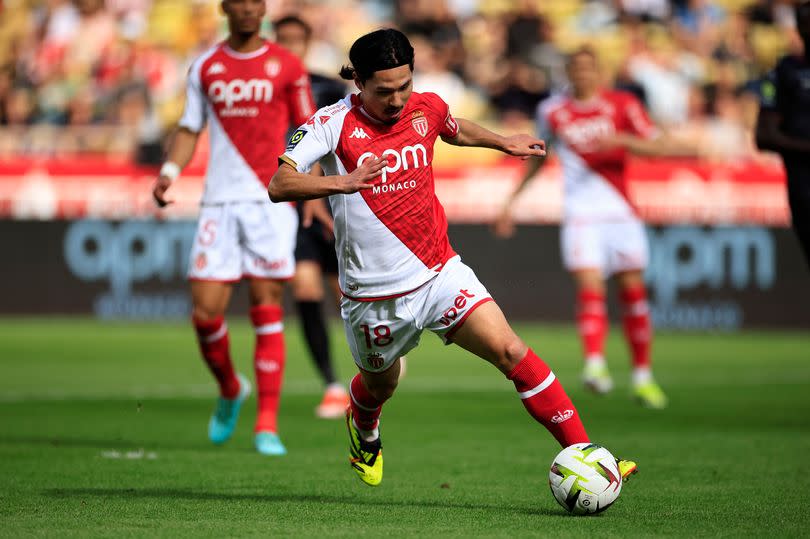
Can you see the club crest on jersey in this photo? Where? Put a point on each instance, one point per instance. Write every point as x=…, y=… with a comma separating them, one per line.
x=419, y=123
x=272, y=67
x=375, y=359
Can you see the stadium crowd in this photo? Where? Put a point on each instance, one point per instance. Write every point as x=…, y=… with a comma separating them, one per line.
x=106, y=77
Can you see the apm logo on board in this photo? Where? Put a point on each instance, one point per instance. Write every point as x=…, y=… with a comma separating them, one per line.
x=722, y=259
x=127, y=254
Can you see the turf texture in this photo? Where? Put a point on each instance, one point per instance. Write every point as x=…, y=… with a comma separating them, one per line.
x=103, y=434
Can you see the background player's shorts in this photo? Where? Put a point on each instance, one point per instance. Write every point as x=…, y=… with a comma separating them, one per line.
x=608, y=246
x=314, y=245
x=238, y=240
x=379, y=332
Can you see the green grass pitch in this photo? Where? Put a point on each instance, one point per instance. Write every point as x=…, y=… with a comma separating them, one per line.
x=103, y=434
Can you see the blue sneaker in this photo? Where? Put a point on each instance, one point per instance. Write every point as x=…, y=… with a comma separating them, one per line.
x=223, y=422
x=268, y=443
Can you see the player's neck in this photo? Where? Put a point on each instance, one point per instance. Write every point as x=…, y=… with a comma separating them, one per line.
x=585, y=95
x=245, y=43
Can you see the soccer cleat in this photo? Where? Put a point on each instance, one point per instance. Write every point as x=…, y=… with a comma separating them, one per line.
x=365, y=457
x=223, y=422
x=597, y=378
x=268, y=443
x=650, y=395
x=334, y=403
x=626, y=468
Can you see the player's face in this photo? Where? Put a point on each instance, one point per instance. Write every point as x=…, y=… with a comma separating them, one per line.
x=293, y=38
x=244, y=16
x=583, y=73
x=384, y=95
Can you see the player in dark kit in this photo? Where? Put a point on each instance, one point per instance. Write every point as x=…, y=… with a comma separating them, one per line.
x=315, y=244
x=784, y=126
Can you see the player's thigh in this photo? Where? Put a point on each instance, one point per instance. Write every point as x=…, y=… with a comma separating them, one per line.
x=487, y=334
x=378, y=332
x=209, y=298
x=581, y=246
x=307, y=284
x=626, y=246
x=268, y=234
x=265, y=291
x=215, y=253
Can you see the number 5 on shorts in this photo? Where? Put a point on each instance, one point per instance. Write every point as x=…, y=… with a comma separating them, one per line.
x=382, y=335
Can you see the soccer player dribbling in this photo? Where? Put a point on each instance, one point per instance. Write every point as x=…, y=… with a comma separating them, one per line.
x=248, y=90
x=397, y=271
x=593, y=131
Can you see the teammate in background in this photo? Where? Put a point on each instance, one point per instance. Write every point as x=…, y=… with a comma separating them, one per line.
x=784, y=126
x=315, y=246
x=248, y=91
x=397, y=270
x=593, y=130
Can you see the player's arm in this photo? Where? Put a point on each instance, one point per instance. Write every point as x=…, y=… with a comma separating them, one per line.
x=504, y=225
x=184, y=140
x=662, y=145
x=769, y=133
x=181, y=150
x=472, y=134
x=290, y=184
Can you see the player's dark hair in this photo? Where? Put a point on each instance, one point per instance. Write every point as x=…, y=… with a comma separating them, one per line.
x=292, y=19
x=802, y=10
x=584, y=50
x=380, y=50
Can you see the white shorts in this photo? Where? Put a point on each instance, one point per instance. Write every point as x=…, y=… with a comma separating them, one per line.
x=380, y=332
x=607, y=246
x=238, y=240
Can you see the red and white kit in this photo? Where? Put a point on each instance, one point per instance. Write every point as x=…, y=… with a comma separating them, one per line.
x=600, y=227
x=391, y=240
x=248, y=101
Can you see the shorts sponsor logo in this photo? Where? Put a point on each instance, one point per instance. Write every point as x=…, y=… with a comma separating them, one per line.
x=271, y=265
x=459, y=304
x=375, y=359
x=565, y=415
x=296, y=137
x=201, y=261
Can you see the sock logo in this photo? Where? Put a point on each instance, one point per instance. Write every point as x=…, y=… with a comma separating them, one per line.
x=267, y=365
x=562, y=416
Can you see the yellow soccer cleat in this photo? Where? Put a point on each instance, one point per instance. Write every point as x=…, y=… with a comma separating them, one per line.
x=626, y=468
x=650, y=395
x=596, y=378
x=365, y=457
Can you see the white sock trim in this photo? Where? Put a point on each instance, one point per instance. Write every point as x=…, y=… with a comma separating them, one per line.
x=217, y=335
x=540, y=387
x=268, y=329
x=358, y=404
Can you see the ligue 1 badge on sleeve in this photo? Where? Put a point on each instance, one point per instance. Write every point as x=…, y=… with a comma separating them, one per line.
x=419, y=123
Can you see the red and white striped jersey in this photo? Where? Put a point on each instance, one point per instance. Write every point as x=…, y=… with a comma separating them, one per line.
x=248, y=101
x=594, y=180
x=393, y=238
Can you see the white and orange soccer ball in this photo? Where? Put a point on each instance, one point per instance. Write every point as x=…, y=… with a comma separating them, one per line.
x=585, y=479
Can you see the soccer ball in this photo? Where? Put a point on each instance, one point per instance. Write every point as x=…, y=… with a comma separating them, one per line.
x=585, y=479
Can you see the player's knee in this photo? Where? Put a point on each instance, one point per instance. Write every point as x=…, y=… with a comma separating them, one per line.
x=514, y=350
x=383, y=390
x=205, y=313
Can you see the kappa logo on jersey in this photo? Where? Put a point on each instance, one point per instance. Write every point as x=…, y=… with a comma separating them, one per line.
x=419, y=123
x=359, y=133
x=295, y=139
x=238, y=91
x=405, y=159
x=217, y=68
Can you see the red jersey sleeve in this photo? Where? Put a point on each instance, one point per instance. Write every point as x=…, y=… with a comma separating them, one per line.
x=636, y=119
x=301, y=103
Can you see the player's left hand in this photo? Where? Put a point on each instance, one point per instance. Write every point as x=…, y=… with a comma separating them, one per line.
x=316, y=209
x=524, y=146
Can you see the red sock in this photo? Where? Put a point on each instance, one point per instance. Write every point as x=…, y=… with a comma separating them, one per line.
x=268, y=361
x=366, y=408
x=592, y=322
x=637, y=326
x=212, y=335
x=546, y=400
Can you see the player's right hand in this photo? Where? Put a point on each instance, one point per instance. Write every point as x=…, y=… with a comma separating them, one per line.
x=363, y=177
x=162, y=185
x=504, y=224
